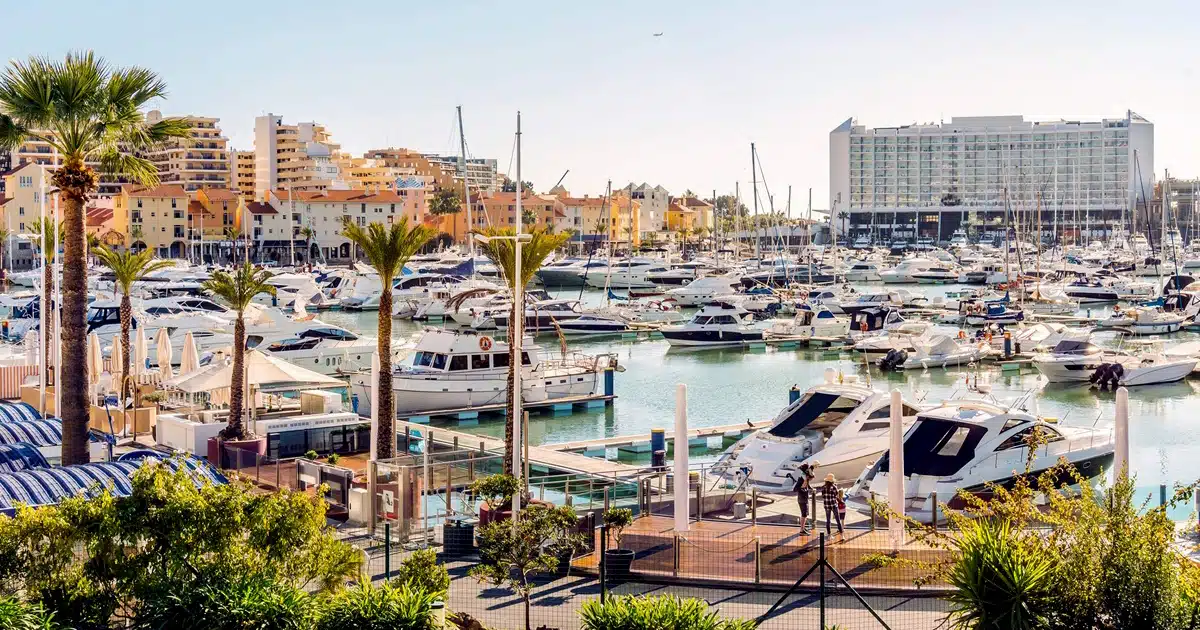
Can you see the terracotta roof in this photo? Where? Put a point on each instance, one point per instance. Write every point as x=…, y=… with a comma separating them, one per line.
x=195, y=207
x=97, y=216
x=4, y=200
x=257, y=207
x=583, y=201
x=166, y=190
x=343, y=196
x=220, y=194
x=15, y=169
x=693, y=202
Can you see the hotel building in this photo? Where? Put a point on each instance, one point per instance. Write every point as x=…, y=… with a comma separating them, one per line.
x=928, y=180
x=198, y=161
x=301, y=157
x=243, y=174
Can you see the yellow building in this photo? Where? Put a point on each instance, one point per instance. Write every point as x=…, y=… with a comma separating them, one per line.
x=153, y=218
x=374, y=174
x=199, y=161
x=21, y=205
x=243, y=174
x=625, y=219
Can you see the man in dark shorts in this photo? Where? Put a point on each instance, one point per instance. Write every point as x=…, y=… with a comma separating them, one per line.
x=804, y=493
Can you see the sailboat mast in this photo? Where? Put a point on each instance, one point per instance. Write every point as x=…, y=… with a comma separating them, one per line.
x=754, y=185
x=462, y=148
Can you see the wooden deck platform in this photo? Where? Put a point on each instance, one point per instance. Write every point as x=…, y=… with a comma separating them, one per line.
x=642, y=442
x=551, y=405
x=770, y=556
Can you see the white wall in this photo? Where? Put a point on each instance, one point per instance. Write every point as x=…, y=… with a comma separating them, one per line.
x=839, y=170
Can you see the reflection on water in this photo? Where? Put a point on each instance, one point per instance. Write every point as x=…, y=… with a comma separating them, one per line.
x=732, y=385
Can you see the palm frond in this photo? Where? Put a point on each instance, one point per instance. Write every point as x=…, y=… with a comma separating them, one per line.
x=237, y=289
x=12, y=134
x=388, y=249
x=114, y=161
x=135, y=85
x=27, y=92
x=128, y=267
x=502, y=251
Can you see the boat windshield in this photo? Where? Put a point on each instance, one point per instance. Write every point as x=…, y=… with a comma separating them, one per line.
x=816, y=410
x=1069, y=346
x=939, y=448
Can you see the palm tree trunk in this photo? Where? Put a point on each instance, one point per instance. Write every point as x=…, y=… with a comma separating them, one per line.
x=514, y=364
x=47, y=296
x=236, y=430
x=126, y=324
x=386, y=446
x=73, y=312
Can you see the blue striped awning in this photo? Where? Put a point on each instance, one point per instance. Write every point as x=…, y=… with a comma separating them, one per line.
x=18, y=411
x=40, y=433
x=20, y=456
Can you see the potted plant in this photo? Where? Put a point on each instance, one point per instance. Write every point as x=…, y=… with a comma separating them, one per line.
x=333, y=459
x=566, y=541
x=497, y=492
x=618, y=560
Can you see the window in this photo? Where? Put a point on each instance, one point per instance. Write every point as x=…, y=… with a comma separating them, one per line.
x=172, y=203
x=458, y=363
x=500, y=360
x=423, y=359
x=874, y=426
x=525, y=359
x=439, y=361
x=1020, y=439
x=139, y=203
x=21, y=212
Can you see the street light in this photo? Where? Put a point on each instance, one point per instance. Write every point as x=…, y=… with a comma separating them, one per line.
x=517, y=325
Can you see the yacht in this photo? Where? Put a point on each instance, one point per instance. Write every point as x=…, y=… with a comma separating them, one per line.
x=461, y=370
x=1096, y=289
x=717, y=324
x=1151, y=366
x=939, y=351
x=862, y=242
x=905, y=272
x=959, y=238
x=841, y=428
x=704, y=290
x=810, y=322
x=1145, y=320
x=1072, y=360
x=630, y=274
x=569, y=272
x=863, y=271
x=680, y=275
x=937, y=274
x=594, y=324
x=970, y=446
x=862, y=301
x=540, y=316
x=981, y=313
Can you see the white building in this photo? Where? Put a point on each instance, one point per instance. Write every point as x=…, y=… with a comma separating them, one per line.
x=930, y=179
x=302, y=157
x=652, y=209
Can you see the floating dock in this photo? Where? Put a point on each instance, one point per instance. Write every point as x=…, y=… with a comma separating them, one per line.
x=471, y=415
x=641, y=443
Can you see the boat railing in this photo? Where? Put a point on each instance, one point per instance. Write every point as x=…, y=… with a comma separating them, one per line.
x=1052, y=450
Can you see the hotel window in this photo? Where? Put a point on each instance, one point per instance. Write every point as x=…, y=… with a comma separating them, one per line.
x=21, y=212
x=139, y=203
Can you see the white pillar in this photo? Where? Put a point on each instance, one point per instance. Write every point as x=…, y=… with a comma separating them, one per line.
x=896, y=472
x=1121, y=434
x=681, y=459
x=375, y=406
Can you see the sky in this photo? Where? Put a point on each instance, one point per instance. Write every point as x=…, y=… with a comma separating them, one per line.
x=603, y=98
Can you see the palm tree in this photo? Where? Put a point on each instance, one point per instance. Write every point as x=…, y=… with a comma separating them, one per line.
x=4, y=234
x=683, y=236
x=232, y=234
x=502, y=253
x=87, y=111
x=127, y=268
x=237, y=289
x=308, y=233
x=135, y=235
x=388, y=249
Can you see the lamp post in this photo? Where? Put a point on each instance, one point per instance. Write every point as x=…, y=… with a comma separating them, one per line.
x=517, y=325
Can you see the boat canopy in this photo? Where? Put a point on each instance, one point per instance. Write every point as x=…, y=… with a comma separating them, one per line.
x=815, y=410
x=1076, y=346
x=939, y=448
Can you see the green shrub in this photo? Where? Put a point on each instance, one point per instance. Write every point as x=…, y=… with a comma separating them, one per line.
x=999, y=581
x=640, y=612
x=333, y=459
x=495, y=490
x=617, y=519
x=16, y=615
x=218, y=602
x=385, y=607
x=311, y=455
x=422, y=571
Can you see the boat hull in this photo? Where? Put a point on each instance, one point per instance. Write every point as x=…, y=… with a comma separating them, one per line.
x=1158, y=374
x=710, y=337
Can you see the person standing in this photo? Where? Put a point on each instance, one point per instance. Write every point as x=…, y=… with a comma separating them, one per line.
x=831, y=496
x=804, y=493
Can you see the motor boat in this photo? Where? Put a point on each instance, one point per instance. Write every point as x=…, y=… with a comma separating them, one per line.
x=716, y=324
x=936, y=351
x=569, y=272
x=937, y=274
x=594, y=324
x=629, y=274
x=862, y=301
x=863, y=271
x=810, y=322
x=1095, y=289
x=1148, y=367
x=958, y=238
x=840, y=427
x=1145, y=320
x=985, y=273
x=1072, y=360
x=680, y=275
x=540, y=316
x=980, y=313
x=704, y=290
x=905, y=272
x=461, y=370
x=862, y=242
x=969, y=447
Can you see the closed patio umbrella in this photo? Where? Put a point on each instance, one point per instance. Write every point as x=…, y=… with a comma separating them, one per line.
x=164, y=353
x=190, y=361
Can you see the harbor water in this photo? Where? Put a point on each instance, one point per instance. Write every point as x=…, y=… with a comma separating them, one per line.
x=733, y=385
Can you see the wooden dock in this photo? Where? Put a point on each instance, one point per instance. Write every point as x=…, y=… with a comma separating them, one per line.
x=471, y=415
x=641, y=443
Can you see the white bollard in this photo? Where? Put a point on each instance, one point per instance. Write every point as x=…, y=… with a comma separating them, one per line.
x=896, y=472
x=1121, y=435
x=681, y=459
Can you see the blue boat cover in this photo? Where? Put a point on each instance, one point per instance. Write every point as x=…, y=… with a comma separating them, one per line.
x=20, y=456
x=49, y=486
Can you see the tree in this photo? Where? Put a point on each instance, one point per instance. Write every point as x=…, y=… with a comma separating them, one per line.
x=86, y=111
x=232, y=234
x=388, y=249
x=5, y=233
x=843, y=215
x=510, y=186
x=44, y=240
x=528, y=217
x=601, y=228
x=446, y=201
x=683, y=237
x=511, y=554
x=502, y=253
x=135, y=235
x=127, y=268
x=723, y=206
x=237, y=289
x=308, y=233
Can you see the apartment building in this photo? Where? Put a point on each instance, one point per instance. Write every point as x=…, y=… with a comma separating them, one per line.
x=689, y=213
x=444, y=170
x=588, y=216
x=21, y=203
x=302, y=157
x=500, y=210
x=375, y=174
x=199, y=161
x=324, y=213
x=153, y=218
x=242, y=173
x=934, y=178
x=652, y=202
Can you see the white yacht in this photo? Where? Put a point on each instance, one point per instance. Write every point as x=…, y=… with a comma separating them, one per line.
x=862, y=242
x=461, y=370
x=863, y=271
x=569, y=272
x=840, y=427
x=963, y=446
x=540, y=316
x=959, y=238
x=704, y=290
x=810, y=322
x=861, y=301
x=940, y=351
x=905, y=272
x=1145, y=320
x=630, y=274
x=1072, y=360
x=936, y=274
x=717, y=324
x=680, y=274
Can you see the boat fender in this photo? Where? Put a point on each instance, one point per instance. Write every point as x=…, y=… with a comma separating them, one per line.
x=962, y=334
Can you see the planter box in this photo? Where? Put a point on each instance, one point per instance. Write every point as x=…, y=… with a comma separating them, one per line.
x=458, y=538
x=216, y=454
x=617, y=564
x=124, y=421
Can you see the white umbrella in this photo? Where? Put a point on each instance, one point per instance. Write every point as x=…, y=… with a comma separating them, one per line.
x=141, y=353
x=95, y=360
x=164, y=352
x=115, y=357
x=31, y=347
x=190, y=361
